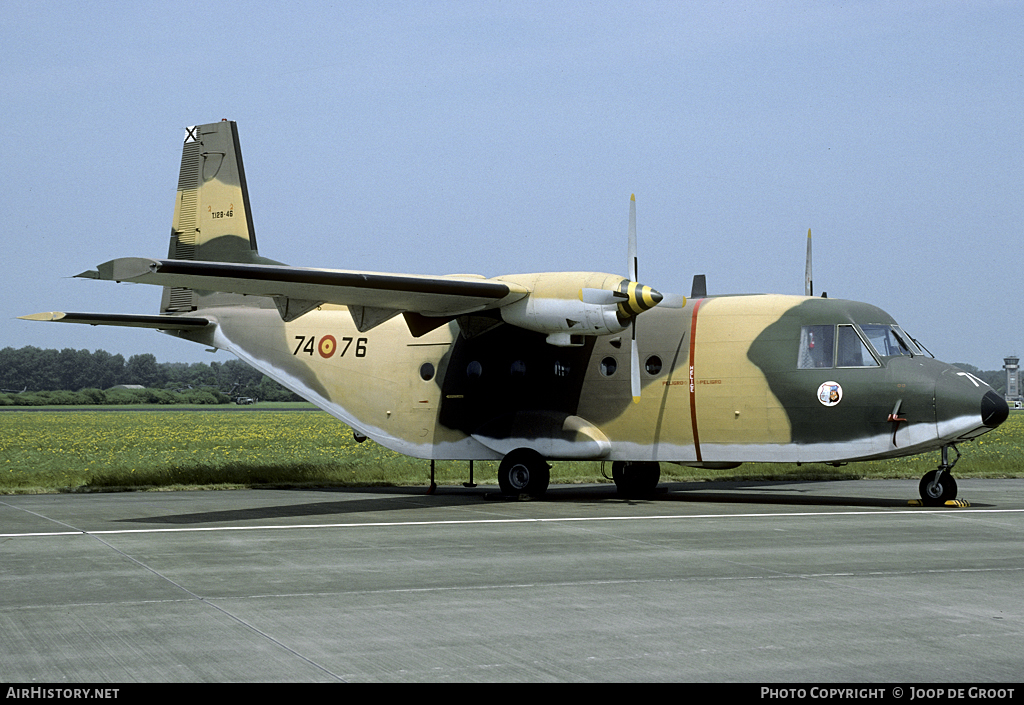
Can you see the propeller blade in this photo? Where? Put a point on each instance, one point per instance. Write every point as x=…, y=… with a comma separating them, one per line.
x=632, y=267
x=602, y=297
x=631, y=311
x=634, y=367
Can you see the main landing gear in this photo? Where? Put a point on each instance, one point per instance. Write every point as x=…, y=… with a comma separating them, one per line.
x=939, y=486
x=524, y=471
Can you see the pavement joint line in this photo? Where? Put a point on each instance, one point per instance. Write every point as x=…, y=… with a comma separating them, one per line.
x=458, y=522
x=546, y=585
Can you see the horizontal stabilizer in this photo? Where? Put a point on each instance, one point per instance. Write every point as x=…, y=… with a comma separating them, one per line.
x=430, y=296
x=129, y=320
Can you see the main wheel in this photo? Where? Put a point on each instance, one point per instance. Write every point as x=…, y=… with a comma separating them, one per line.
x=941, y=493
x=636, y=480
x=524, y=471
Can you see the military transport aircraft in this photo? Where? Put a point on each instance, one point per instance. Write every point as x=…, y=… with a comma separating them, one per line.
x=564, y=365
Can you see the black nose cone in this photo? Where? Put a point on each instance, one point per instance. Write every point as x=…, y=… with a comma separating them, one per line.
x=994, y=409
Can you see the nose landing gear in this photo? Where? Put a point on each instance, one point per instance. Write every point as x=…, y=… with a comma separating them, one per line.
x=939, y=486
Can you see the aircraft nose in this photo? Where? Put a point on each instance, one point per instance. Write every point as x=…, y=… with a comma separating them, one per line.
x=966, y=407
x=994, y=409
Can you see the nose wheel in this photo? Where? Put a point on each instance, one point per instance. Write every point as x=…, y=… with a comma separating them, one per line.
x=939, y=486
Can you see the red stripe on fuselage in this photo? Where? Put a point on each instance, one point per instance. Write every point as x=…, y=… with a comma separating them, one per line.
x=693, y=386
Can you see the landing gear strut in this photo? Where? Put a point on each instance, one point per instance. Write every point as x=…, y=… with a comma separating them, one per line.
x=939, y=486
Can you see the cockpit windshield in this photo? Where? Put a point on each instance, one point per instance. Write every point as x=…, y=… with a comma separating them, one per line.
x=889, y=340
x=848, y=345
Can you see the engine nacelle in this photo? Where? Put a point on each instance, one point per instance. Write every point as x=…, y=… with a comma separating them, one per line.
x=556, y=306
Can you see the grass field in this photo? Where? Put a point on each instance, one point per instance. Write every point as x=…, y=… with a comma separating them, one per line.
x=139, y=448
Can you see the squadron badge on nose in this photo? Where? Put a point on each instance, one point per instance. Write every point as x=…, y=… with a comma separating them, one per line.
x=830, y=393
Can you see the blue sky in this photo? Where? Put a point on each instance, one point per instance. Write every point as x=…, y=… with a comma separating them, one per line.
x=503, y=137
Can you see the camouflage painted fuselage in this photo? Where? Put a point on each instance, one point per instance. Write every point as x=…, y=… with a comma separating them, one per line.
x=721, y=385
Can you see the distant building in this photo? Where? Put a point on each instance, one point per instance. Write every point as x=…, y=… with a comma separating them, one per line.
x=1013, y=390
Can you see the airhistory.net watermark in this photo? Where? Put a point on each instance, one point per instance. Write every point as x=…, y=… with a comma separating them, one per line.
x=47, y=693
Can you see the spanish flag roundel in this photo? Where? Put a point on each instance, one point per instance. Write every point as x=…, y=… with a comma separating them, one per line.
x=327, y=346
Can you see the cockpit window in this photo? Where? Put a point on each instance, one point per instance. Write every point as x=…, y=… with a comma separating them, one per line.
x=817, y=345
x=833, y=346
x=851, y=350
x=890, y=340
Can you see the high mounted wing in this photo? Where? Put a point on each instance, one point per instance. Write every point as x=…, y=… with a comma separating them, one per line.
x=431, y=296
x=372, y=296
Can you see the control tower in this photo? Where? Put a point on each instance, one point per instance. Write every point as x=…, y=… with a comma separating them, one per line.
x=1013, y=390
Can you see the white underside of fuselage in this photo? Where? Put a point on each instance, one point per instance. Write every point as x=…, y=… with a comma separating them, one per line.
x=911, y=439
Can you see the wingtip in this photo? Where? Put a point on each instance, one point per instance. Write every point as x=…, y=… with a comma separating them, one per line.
x=44, y=316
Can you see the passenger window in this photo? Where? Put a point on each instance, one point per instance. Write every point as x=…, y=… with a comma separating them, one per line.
x=852, y=352
x=608, y=366
x=816, y=346
x=653, y=365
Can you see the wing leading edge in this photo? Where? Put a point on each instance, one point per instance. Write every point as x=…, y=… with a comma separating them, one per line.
x=425, y=295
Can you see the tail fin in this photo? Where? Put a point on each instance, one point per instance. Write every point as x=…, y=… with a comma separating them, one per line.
x=212, y=218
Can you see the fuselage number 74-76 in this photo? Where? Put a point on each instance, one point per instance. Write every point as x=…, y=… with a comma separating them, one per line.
x=328, y=346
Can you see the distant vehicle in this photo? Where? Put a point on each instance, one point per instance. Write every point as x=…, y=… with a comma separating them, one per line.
x=245, y=400
x=535, y=367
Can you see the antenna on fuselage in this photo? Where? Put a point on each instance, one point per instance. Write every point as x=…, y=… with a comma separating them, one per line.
x=699, y=288
x=808, y=277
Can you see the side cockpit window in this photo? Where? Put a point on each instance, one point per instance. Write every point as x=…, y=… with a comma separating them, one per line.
x=852, y=350
x=827, y=346
x=817, y=347
x=890, y=340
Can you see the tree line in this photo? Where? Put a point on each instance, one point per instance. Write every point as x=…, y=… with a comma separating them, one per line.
x=32, y=375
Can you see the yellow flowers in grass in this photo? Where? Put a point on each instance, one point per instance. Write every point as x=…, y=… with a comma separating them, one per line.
x=61, y=450
x=53, y=451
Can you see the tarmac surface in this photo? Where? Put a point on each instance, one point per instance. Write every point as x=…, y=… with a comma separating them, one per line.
x=809, y=582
